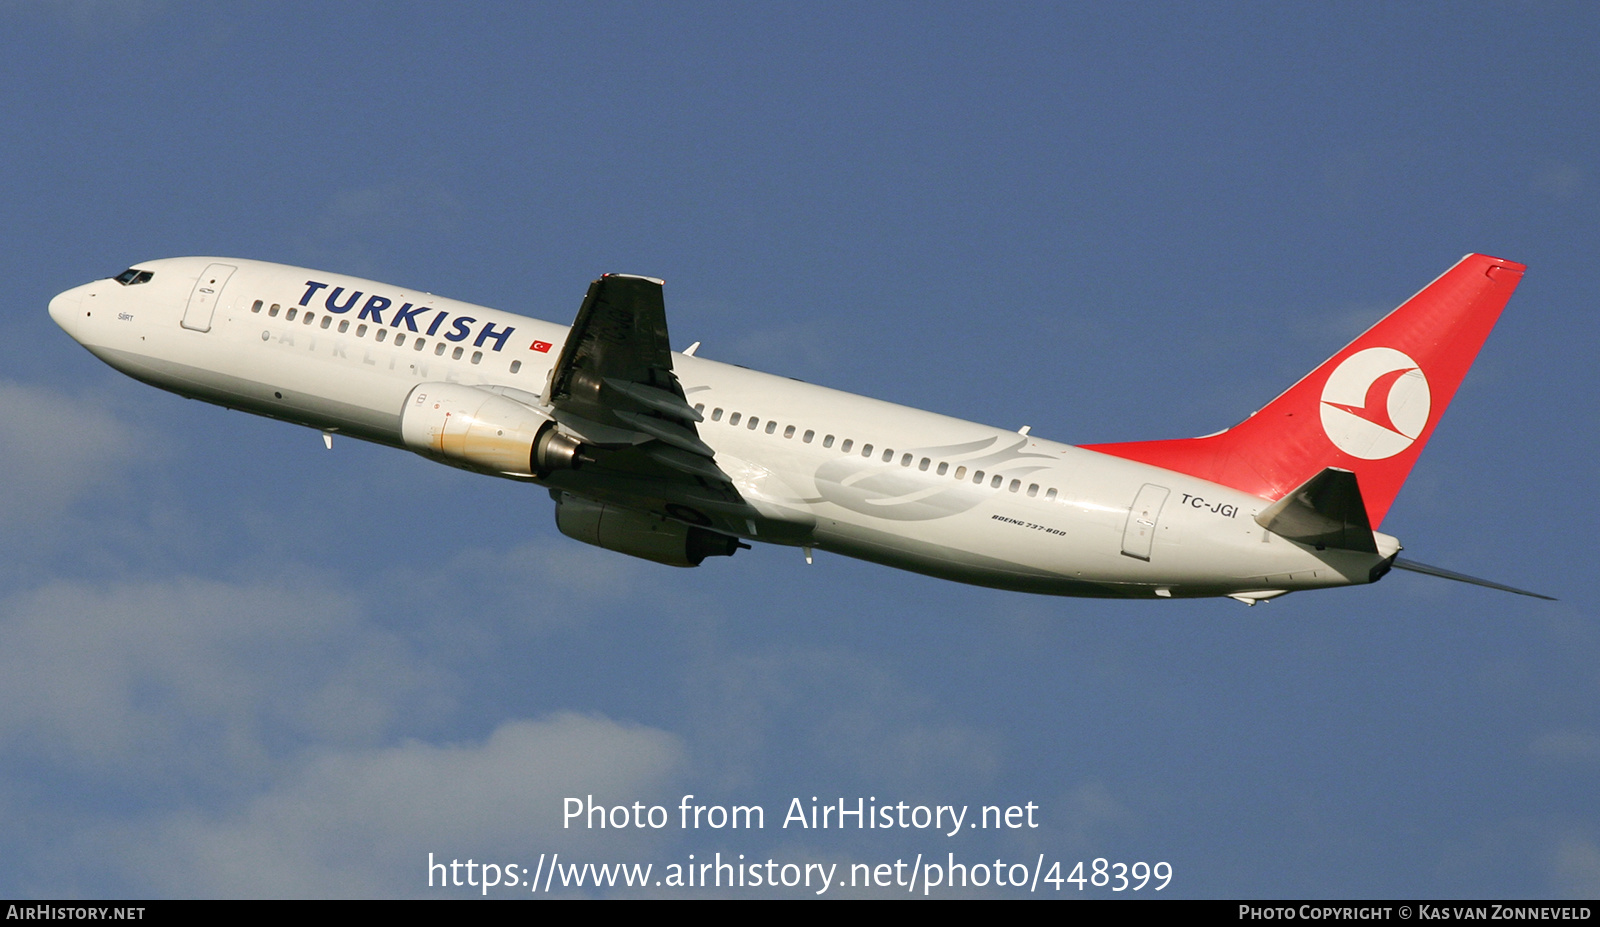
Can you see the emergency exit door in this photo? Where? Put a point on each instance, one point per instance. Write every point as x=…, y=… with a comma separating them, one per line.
x=1140, y=532
x=207, y=292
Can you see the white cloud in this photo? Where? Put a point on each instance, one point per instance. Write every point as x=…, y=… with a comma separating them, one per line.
x=53, y=450
x=538, y=587
x=580, y=572
x=1567, y=745
x=835, y=712
x=362, y=823
x=194, y=679
x=1577, y=868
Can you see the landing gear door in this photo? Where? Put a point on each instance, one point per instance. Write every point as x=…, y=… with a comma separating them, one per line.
x=1140, y=531
x=207, y=292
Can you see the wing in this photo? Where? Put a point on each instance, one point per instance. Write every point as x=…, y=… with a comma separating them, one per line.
x=613, y=391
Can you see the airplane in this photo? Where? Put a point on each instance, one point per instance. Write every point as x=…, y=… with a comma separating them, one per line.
x=675, y=458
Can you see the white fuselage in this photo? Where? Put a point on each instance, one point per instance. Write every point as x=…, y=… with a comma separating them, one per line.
x=824, y=468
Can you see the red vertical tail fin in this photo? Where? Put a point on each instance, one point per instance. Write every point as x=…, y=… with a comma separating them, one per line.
x=1369, y=408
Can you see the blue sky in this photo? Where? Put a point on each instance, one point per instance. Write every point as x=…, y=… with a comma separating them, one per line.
x=233, y=663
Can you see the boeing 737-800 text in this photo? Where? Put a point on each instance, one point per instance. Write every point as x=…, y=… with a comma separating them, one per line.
x=676, y=458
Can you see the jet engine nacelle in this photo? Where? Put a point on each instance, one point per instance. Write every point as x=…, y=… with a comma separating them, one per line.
x=482, y=430
x=639, y=534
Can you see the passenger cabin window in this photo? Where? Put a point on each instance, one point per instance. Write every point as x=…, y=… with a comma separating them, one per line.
x=961, y=473
x=942, y=468
x=257, y=306
x=361, y=330
x=828, y=441
x=788, y=432
x=399, y=338
x=515, y=366
x=439, y=351
x=382, y=334
x=1050, y=495
x=456, y=354
x=1033, y=490
x=866, y=450
x=995, y=483
x=716, y=414
x=291, y=313
x=477, y=357
x=1015, y=485
x=327, y=320
x=273, y=311
x=419, y=344
x=773, y=426
x=310, y=318
x=845, y=447
x=734, y=418
x=808, y=436
x=344, y=325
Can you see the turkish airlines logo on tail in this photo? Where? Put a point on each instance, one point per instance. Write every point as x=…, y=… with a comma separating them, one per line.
x=1375, y=403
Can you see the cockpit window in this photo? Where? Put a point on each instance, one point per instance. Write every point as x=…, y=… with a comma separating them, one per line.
x=131, y=276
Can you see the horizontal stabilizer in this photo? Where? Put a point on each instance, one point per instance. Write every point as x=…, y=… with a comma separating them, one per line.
x=1416, y=567
x=1325, y=511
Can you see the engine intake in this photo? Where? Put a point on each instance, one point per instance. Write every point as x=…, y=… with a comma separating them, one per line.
x=474, y=428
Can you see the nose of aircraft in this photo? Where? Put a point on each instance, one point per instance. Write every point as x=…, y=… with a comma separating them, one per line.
x=63, y=305
x=67, y=308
